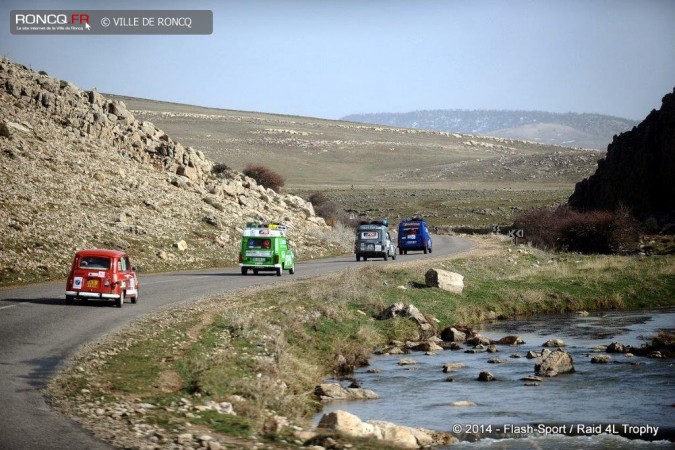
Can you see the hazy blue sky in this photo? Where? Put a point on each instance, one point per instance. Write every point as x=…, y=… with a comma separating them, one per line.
x=328, y=58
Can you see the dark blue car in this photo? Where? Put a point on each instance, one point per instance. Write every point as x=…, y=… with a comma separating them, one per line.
x=413, y=234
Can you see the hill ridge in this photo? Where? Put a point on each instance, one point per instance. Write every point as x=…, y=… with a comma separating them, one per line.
x=570, y=129
x=80, y=170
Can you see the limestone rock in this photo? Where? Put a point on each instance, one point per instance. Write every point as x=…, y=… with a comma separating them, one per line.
x=600, y=359
x=181, y=245
x=451, y=334
x=349, y=424
x=444, y=279
x=554, y=363
x=554, y=343
x=334, y=391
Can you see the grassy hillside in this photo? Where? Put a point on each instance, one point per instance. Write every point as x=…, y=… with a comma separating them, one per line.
x=314, y=153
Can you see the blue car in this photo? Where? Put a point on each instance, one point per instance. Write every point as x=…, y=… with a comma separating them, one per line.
x=413, y=234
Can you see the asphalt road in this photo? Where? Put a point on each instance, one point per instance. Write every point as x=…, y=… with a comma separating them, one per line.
x=39, y=334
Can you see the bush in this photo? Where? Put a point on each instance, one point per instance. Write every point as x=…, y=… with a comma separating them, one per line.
x=42, y=72
x=564, y=229
x=326, y=208
x=265, y=176
x=219, y=169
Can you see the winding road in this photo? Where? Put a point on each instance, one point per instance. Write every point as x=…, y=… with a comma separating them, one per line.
x=39, y=334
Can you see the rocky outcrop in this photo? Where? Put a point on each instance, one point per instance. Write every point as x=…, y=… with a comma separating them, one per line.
x=79, y=170
x=638, y=170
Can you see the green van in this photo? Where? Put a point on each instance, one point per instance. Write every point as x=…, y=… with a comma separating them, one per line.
x=264, y=247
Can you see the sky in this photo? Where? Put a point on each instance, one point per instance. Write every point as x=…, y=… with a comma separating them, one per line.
x=331, y=58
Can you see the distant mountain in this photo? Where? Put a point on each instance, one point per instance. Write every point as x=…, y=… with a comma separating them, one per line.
x=570, y=129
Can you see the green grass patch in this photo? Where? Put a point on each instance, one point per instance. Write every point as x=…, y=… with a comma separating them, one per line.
x=225, y=424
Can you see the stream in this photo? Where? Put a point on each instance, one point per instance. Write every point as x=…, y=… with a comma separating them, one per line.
x=614, y=405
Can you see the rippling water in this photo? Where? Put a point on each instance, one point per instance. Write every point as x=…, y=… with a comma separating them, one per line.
x=618, y=393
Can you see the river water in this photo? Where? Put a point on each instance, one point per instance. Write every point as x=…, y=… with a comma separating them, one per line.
x=598, y=406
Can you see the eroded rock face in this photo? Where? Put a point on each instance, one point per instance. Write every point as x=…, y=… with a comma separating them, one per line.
x=637, y=171
x=75, y=162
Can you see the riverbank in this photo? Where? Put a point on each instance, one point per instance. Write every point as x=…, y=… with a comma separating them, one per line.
x=172, y=378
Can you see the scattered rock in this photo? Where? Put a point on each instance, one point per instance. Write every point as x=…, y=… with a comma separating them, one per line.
x=451, y=334
x=600, y=359
x=462, y=403
x=449, y=367
x=554, y=363
x=407, y=362
x=443, y=279
x=334, y=391
x=486, y=376
x=531, y=378
x=554, y=343
x=616, y=347
x=510, y=340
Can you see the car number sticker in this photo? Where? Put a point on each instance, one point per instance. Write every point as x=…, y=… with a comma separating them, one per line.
x=77, y=283
x=369, y=235
x=132, y=284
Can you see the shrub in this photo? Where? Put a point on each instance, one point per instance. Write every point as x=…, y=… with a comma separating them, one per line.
x=326, y=208
x=42, y=72
x=265, y=176
x=219, y=168
x=564, y=229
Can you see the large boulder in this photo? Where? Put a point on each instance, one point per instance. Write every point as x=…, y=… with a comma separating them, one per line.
x=398, y=435
x=554, y=363
x=349, y=424
x=452, y=334
x=394, y=435
x=444, y=279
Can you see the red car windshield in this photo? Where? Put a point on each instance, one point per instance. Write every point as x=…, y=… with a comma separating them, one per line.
x=94, y=262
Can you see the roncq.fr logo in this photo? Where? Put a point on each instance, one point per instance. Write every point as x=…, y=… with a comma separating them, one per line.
x=51, y=19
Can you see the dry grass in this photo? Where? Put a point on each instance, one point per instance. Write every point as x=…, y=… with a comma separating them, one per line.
x=314, y=153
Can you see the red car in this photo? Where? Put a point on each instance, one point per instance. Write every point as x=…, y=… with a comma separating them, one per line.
x=99, y=274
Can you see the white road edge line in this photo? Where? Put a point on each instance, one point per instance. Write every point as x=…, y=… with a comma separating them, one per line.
x=5, y=307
